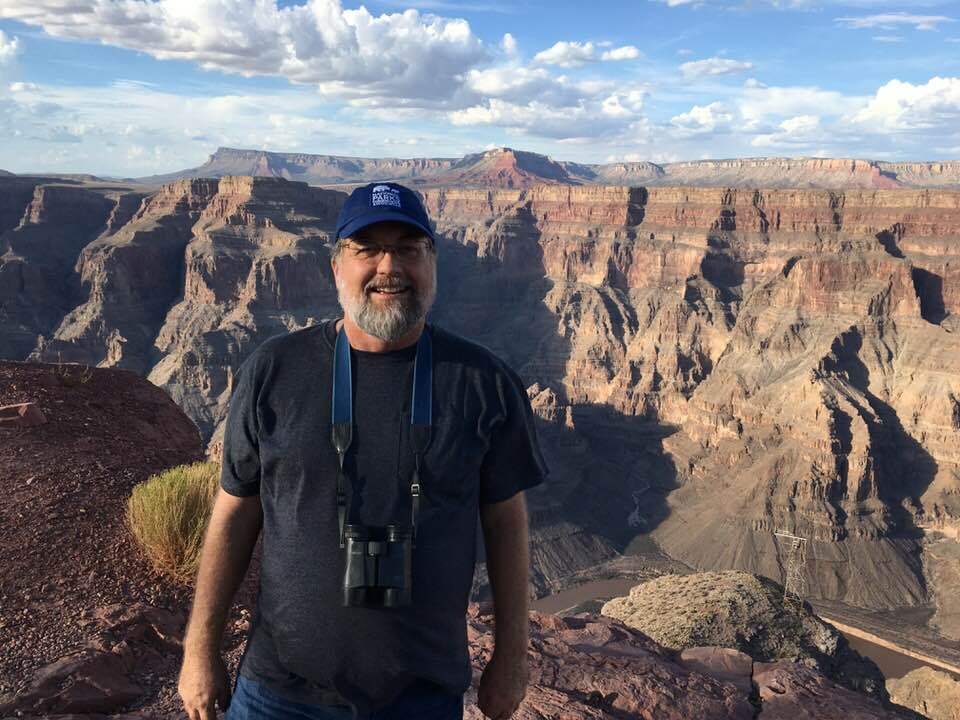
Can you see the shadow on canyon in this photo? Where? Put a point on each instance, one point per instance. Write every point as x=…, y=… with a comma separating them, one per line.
x=609, y=475
x=905, y=469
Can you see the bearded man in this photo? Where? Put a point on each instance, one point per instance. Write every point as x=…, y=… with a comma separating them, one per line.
x=365, y=448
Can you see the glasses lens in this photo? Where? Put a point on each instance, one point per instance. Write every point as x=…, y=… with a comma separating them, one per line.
x=365, y=250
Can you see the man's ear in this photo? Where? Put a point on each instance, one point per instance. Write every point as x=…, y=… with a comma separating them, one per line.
x=335, y=268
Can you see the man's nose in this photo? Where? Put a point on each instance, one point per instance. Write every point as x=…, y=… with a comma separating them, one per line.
x=388, y=263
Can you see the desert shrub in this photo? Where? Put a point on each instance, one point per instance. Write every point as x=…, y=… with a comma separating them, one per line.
x=168, y=515
x=72, y=374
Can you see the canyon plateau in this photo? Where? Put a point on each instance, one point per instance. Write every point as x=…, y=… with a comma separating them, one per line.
x=509, y=168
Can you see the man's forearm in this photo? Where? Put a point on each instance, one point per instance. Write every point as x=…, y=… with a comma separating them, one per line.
x=227, y=547
x=508, y=557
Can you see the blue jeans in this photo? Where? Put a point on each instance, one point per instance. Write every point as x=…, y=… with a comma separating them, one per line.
x=252, y=701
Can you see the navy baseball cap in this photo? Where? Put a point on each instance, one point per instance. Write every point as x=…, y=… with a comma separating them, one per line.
x=379, y=202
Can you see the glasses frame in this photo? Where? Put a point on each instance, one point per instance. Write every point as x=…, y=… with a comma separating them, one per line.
x=423, y=244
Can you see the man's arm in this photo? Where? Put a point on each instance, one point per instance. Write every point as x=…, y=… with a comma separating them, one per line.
x=231, y=536
x=508, y=557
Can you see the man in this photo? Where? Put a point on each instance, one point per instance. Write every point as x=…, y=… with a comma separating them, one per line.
x=309, y=654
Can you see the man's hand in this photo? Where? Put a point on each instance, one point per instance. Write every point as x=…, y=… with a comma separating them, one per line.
x=502, y=686
x=203, y=680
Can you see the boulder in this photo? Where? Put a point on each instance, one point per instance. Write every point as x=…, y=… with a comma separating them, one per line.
x=747, y=613
x=20, y=415
x=933, y=693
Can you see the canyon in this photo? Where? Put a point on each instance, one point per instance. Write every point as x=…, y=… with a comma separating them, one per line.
x=708, y=365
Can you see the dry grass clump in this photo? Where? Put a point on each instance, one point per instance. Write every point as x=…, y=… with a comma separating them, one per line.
x=168, y=515
x=72, y=374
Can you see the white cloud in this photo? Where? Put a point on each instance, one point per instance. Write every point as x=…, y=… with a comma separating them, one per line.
x=509, y=45
x=627, y=52
x=759, y=105
x=702, y=119
x=344, y=52
x=520, y=83
x=798, y=130
x=801, y=124
x=888, y=38
x=19, y=87
x=904, y=106
x=890, y=21
x=713, y=66
x=567, y=54
x=115, y=129
x=623, y=105
x=9, y=48
x=587, y=119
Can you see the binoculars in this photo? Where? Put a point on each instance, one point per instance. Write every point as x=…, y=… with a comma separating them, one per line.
x=377, y=570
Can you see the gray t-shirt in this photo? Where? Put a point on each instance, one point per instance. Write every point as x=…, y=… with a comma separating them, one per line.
x=303, y=644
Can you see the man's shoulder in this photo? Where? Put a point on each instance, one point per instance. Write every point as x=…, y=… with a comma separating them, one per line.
x=459, y=349
x=283, y=344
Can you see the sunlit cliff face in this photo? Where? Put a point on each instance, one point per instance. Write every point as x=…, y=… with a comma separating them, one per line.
x=386, y=296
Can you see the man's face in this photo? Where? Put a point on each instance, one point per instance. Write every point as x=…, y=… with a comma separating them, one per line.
x=365, y=278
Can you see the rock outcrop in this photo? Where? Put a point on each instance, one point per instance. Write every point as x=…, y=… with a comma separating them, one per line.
x=37, y=255
x=129, y=645
x=228, y=262
x=746, y=613
x=589, y=666
x=932, y=693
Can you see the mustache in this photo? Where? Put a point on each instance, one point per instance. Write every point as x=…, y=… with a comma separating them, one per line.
x=388, y=284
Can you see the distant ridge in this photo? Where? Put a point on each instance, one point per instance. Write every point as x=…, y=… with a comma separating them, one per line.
x=71, y=177
x=509, y=168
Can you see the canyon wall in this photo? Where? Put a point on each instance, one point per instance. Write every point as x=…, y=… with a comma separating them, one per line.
x=709, y=365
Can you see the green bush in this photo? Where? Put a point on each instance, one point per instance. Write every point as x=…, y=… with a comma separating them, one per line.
x=168, y=515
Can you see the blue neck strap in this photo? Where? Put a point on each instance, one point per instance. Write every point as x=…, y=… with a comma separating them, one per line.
x=421, y=418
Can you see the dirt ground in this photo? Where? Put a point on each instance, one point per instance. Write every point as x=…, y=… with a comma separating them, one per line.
x=65, y=549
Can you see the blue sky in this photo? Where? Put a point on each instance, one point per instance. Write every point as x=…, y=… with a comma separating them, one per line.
x=134, y=87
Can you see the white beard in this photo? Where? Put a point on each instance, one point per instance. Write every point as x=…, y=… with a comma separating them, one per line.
x=390, y=320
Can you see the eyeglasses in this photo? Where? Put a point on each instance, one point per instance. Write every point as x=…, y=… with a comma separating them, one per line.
x=372, y=252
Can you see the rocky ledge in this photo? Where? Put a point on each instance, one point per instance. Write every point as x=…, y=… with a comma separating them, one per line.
x=581, y=667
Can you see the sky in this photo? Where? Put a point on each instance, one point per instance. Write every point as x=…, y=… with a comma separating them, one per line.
x=128, y=88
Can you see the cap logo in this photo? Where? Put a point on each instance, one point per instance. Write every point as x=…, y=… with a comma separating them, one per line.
x=385, y=195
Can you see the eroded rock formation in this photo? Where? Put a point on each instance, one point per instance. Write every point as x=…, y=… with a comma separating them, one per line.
x=747, y=613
